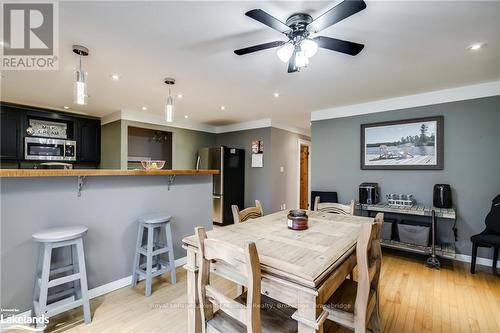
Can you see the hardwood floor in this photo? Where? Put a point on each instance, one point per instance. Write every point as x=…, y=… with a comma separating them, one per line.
x=414, y=298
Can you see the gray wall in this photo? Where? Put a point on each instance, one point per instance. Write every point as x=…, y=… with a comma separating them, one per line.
x=257, y=180
x=110, y=145
x=285, y=154
x=109, y=207
x=471, y=160
x=185, y=144
x=268, y=184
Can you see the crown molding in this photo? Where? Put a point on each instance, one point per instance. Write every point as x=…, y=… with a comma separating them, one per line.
x=292, y=129
x=155, y=119
x=434, y=97
x=260, y=123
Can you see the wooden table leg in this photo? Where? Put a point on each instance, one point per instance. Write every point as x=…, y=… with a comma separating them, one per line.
x=309, y=314
x=194, y=317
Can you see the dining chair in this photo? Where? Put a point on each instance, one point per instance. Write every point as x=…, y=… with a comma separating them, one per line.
x=333, y=207
x=356, y=303
x=490, y=236
x=246, y=313
x=247, y=213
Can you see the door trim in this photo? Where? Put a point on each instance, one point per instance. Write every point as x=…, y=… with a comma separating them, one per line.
x=301, y=142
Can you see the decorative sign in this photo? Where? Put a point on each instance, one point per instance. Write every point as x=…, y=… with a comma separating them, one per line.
x=257, y=154
x=47, y=129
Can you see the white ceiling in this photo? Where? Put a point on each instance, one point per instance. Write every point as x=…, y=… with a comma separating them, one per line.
x=410, y=47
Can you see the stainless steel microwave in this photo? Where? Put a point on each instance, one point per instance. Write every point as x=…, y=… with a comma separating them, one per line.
x=49, y=149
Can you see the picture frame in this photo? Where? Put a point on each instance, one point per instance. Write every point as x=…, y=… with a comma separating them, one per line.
x=408, y=144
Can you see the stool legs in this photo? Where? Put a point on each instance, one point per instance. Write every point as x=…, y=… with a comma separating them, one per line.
x=137, y=256
x=78, y=276
x=171, y=261
x=152, y=251
x=44, y=282
x=76, y=283
x=149, y=260
x=83, y=281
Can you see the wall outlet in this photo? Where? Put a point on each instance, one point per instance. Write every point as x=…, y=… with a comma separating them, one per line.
x=283, y=206
x=282, y=169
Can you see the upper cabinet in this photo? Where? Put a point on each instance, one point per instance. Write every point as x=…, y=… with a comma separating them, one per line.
x=88, y=140
x=10, y=132
x=19, y=122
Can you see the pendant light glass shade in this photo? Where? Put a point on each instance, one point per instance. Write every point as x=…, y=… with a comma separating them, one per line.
x=169, y=109
x=285, y=52
x=309, y=47
x=80, y=88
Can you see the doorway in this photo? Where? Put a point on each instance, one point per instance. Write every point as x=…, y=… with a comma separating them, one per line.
x=304, y=171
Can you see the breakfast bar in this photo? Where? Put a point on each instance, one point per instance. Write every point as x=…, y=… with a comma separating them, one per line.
x=109, y=204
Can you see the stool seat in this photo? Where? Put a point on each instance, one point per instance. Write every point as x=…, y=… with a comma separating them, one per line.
x=154, y=218
x=59, y=234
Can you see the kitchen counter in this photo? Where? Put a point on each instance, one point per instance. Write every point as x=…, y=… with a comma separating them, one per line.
x=109, y=204
x=99, y=172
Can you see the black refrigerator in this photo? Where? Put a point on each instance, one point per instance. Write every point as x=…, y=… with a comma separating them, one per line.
x=229, y=184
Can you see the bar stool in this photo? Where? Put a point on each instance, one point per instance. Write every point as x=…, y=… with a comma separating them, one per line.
x=47, y=277
x=154, y=265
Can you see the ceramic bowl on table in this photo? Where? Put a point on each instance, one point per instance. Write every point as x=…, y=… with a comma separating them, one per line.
x=153, y=164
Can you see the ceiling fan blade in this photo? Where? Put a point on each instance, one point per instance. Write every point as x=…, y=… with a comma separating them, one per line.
x=336, y=14
x=267, y=19
x=259, y=47
x=339, y=45
x=291, y=64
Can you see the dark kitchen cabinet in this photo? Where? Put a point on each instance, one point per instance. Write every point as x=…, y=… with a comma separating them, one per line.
x=88, y=140
x=11, y=136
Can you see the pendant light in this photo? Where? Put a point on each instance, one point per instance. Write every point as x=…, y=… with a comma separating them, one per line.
x=169, y=105
x=80, y=85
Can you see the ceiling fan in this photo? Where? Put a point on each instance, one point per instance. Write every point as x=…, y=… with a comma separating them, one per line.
x=299, y=47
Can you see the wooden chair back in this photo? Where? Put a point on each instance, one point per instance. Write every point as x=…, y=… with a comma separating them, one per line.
x=335, y=208
x=368, y=256
x=246, y=262
x=247, y=213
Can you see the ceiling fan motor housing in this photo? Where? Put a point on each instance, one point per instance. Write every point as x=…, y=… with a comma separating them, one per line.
x=298, y=24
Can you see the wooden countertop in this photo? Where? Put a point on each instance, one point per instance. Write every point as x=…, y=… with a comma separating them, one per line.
x=99, y=172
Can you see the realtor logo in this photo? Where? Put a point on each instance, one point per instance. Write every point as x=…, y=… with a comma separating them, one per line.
x=29, y=32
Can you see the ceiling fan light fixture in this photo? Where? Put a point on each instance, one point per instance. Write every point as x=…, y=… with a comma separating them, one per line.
x=309, y=47
x=301, y=60
x=285, y=52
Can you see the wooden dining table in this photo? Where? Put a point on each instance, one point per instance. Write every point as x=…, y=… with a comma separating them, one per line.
x=299, y=268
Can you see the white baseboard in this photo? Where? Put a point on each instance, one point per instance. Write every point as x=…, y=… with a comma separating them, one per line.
x=479, y=260
x=99, y=291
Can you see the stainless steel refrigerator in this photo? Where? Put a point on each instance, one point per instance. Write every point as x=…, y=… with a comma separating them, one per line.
x=229, y=184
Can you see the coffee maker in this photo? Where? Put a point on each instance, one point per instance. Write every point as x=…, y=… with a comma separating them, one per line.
x=368, y=193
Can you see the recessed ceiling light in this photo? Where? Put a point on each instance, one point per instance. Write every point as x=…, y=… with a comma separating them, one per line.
x=276, y=95
x=180, y=95
x=222, y=107
x=476, y=46
x=66, y=107
x=186, y=116
x=115, y=77
x=144, y=108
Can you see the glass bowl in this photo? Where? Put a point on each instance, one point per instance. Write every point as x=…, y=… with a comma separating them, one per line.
x=153, y=164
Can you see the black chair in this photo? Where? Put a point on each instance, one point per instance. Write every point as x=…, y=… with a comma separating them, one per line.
x=324, y=196
x=490, y=237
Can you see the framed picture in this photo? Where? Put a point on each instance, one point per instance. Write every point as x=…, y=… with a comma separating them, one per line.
x=412, y=144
